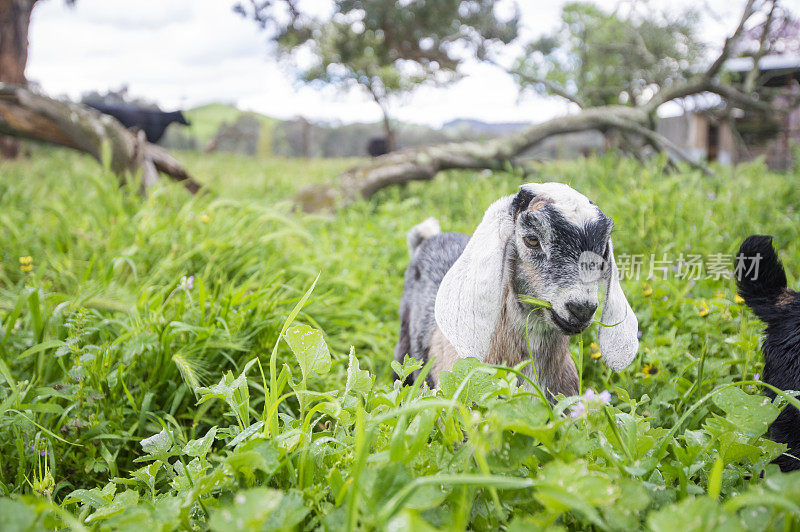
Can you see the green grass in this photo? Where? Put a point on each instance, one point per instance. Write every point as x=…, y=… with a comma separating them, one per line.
x=132, y=397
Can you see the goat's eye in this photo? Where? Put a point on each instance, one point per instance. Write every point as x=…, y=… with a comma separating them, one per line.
x=532, y=243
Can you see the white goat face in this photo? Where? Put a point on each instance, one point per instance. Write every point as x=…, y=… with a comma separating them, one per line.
x=549, y=242
x=561, y=247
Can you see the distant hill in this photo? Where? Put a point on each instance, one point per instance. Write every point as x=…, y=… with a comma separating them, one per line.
x=206, y=119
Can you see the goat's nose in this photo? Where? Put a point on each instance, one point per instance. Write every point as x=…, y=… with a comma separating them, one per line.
x=581, y=312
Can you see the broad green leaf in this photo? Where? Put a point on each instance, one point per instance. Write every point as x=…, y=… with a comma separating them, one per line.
x=310, y=349
x=16, y=516
x=388, y=481
x=469, y=380
x=252, y=456
x=291, y=511
x=147, y=474
x=157, y=445
x=233, y=391
x=193, y=469
x=409, y=366
x=700, y=514
x=358, y=380
x=519, y=415
x=734, y=446
x=246, y=433
x=571, y=486
x=751, y=414
x=419, y=431
x=123, y=500
x=92, y=497
x=409, y=520
x=249, y=510
x=625, y=513
x=201, y=446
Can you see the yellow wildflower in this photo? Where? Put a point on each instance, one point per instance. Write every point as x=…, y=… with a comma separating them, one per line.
x=594, y=350
x=719, y=295
x=738, y=299
x=647, y=290
x=702, y=309
x=649, y=370
x=205, y=218
x=26, y=264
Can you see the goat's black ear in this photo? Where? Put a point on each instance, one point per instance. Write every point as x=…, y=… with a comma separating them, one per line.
x=520, y=202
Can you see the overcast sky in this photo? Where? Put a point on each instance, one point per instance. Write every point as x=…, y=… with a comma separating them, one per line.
x=183, y=53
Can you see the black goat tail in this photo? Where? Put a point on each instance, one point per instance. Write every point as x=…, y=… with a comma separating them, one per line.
x=760, y=276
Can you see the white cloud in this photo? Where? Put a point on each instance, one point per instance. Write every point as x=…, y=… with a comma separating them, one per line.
x=183, y=53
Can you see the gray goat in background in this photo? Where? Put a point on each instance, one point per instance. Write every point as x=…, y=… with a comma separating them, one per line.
x=461, y=296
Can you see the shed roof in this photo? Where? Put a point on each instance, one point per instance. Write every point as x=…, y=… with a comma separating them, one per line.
x=768, y=62
x=777, y=70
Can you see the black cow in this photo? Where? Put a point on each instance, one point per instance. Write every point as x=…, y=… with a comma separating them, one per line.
x=377, y=146
x=153, y=122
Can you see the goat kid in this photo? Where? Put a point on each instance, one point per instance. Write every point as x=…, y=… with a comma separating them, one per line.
x=761, y=280
x=461, y=296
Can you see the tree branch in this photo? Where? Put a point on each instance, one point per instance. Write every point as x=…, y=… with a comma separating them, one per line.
x=703, y=82
x=731, y=41
x=554, y=88
x=26, y=114
x=424, y=163
x=763, y=48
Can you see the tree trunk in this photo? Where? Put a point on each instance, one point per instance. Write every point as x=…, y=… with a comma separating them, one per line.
x=391, y=142
x=379, y=98
x=25, y=114
x=15, y=19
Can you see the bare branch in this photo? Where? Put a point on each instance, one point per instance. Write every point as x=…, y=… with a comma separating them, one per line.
x=552, y=87
x=731, y=41
x=763, y=48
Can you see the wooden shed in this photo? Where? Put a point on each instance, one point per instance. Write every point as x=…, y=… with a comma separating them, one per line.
x=730, y=136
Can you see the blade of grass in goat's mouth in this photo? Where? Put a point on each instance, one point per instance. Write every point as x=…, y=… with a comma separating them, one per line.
x=534, y=301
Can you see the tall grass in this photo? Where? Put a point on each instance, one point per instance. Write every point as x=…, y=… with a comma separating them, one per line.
x=153, y=372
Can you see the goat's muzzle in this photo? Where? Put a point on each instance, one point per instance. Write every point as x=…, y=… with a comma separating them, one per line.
x=579, y=318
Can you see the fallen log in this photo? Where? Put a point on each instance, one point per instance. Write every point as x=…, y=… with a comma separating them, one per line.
x=26, y=114
x=424, y=163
